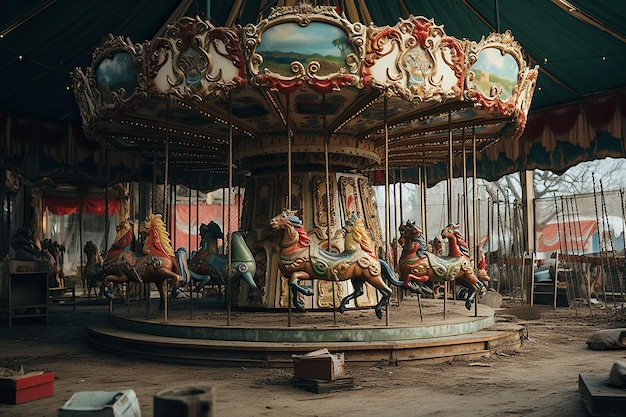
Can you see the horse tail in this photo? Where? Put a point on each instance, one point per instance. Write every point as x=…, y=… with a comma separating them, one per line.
x=388, y=273
x=176, y=265
x=181, y=263
x=187, y=275
x=482, y=268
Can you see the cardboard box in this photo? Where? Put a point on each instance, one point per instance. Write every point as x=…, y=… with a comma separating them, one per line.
x=29, y=387
x=320, y=364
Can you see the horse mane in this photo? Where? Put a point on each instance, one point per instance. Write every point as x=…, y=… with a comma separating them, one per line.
x=296, y=223
x=462, y=244
x=158, y=237
x=303, y=236
x=122, y=230
x=93, y=252
x=360, y=236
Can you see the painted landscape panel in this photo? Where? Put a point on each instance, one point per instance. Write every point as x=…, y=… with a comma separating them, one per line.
x=492, y=69
x=288, y=42
x=117, y=74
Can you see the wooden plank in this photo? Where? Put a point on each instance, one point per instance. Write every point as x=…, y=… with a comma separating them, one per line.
x=320, y=386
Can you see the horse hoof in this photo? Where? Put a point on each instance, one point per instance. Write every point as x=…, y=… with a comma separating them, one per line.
x=426, y=290
x=108, y=295
x=379, y=314
x=414, y=288
x=468, y=305
x=462, y=294
x=175, y=292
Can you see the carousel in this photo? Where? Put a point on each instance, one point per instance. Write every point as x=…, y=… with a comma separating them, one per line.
x=303, y=113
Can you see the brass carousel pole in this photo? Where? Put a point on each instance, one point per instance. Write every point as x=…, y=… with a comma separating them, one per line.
x=475, y=210
x=141, y=208
x=106, y=217
x=165, y=191
x=465, y=205
x=395, y=259
x=80, y=238
x=173, y=212
x=397, y=199
x=198, y=230
x=154, y=176
x=450, y=167
x=449, y=198
x=424, y=185
x=386, y=195
x=106, y=196
x=152, y=210
x=289, y=179
x=226, y=244
x=419, y=179
x=400, y=179
x=328, y=205
x=424, y=223
x=189, y=243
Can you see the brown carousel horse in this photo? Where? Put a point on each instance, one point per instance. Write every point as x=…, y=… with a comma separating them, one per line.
x=298, y=260
x=93, y=273
x=418, y=264
x=156, y=262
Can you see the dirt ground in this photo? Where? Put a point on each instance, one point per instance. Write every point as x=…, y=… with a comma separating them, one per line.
x=540, y=379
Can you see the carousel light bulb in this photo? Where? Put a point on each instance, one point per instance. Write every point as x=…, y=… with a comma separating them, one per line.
x=20, y=58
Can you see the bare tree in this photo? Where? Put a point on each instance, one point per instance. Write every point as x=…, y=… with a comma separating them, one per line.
x=576, y=180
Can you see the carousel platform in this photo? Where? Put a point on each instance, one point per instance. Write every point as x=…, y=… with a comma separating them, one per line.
x=203, y=333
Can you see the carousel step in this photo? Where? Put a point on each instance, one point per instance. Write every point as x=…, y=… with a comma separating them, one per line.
x=268, y=354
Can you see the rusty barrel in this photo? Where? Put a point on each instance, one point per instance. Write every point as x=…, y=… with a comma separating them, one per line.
x=184, y=401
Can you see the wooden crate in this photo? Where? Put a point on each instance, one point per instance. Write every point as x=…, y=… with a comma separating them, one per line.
x=29, y=387
x=320, y=364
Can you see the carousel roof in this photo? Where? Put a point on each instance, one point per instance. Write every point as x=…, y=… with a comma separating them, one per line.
x=579, y=49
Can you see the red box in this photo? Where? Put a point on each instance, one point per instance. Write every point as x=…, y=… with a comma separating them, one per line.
x=26, y=388
x=320, y=364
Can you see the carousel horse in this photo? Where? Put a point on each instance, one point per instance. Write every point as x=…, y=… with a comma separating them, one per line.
x=26, y=249
x=418, y=264
x=298, y=260
x=156, y=262
x=49, y=254
x=55, y=253
x=208, y=265
x=93, y=273
x=458, y=247
x=414, y=248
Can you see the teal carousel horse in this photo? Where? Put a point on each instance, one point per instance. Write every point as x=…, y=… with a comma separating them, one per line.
x=208, y=265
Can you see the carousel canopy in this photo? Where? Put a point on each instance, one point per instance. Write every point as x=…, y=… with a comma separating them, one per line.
x=579, y=50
